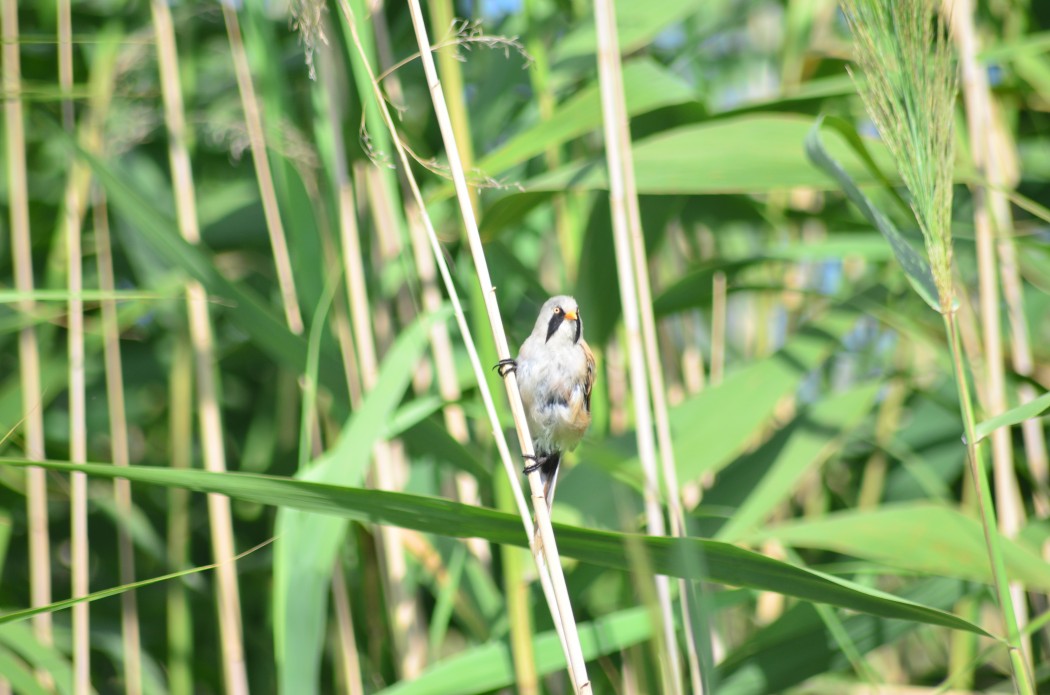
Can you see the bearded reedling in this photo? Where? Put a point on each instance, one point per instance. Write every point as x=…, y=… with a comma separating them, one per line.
x=555, y=371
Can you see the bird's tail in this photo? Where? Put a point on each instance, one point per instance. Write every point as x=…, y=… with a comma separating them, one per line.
x=549, y=478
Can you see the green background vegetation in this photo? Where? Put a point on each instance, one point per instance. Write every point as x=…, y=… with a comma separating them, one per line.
x=814, y=412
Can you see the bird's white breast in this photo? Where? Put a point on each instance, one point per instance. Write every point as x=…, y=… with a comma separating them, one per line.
x=552, y=383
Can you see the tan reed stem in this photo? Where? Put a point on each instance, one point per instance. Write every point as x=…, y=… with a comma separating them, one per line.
x=180, y=444
x=261, y=160
x=547, y=583
x=118, y=432
x=442, y=16
x=347, y=657
x=577, y=665
x=440, y=343
x=77, y=440
x=229, y=604
x=345, y=629
x=404, y=619
x=719, y=317
x=78, y=514
x=28, y=352
x=977, y=98
x=634, y=295
x=102, y=84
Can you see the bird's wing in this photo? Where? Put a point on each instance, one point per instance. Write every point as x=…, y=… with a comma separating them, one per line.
x=588, y=382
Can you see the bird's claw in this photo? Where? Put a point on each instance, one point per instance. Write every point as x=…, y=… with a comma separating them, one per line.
x=536, y=464
x=505, y=367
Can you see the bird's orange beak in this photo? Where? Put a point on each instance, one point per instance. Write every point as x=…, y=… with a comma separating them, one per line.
x=570, y=315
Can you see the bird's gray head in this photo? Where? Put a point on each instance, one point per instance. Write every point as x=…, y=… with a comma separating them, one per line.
x=560, y=320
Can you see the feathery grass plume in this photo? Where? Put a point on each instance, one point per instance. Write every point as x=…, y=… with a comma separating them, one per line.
x=904, y=53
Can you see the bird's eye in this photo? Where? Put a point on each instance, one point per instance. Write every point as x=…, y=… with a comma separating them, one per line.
x=557, y=310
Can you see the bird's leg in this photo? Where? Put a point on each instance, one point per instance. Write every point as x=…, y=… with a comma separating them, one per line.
x=537, y=463
x=505, y=367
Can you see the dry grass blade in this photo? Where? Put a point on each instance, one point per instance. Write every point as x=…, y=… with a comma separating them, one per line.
x=640, y=328
x=28, y=352
x=73, y=214
x=120, y=447
x=555, y=599
x=577, y=666
x=234, y=670
x=978, y=97
x=260, y=158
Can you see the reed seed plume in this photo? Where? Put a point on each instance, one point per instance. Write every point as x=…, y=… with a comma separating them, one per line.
x=904, y=53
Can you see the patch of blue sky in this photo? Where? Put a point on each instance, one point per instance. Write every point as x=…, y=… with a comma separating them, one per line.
x=496, y=10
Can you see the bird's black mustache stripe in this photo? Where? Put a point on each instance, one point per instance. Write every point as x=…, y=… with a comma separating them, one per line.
x=555, y=324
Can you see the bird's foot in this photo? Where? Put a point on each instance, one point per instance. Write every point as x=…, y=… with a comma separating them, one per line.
x=537, y=463
x=505, y=367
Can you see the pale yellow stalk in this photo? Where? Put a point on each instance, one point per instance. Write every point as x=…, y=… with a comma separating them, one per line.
x=28, y=352
x=261, y=160
x=977, y=98
x=78, y=513
x=640, y=328
x=102, y=81
x=119, y=448
x=350, y=662
x=577, y=665
x=440, y=342
x=548, y=579
x=229, y=604
x=180, y=452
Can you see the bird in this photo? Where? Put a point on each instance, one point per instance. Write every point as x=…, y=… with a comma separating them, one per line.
x=555, y=371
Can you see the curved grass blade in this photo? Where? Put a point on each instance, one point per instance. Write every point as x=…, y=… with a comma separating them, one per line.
x=16, y=616
x=17, y=675
x=723, y=563
x=815, y=436
x=924, y=537
x=489, y=666
x=49, y=659
x=308, y=543
x=1014, y=416
x=798, y=645
x=916, y=268
x=252, y=314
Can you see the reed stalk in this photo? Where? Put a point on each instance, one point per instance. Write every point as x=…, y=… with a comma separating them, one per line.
x=442, y=18
x=209, y=414
x=261, y=160
x=540, y=79
x=977, y=98
x=119, y=448
x=719, y=321
x=80, y=559
x=556, y=598
x=388, y=464
x=640, y=328
x=1021, y=676
x=440, y=343
x=78, y=514
x=28, y=349
x=349, y=660
x=409, y=639
x=180, y=425
x=102, y=83
x=577, y=666
x=910, y=79
x=381, y=193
